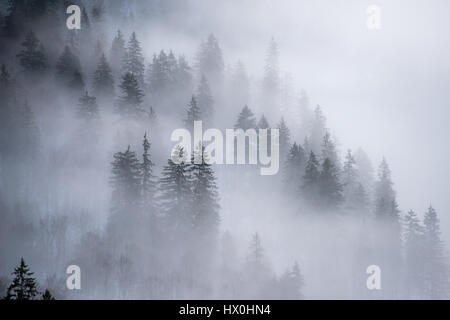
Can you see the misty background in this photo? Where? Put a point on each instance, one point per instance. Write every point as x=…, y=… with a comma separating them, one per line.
x=381, y=90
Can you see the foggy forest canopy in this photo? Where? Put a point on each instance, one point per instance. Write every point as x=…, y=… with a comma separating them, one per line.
x=87, y=179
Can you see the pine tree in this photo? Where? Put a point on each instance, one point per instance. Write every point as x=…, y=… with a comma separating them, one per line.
x=318, y=130
x=118, y=51
x=210, y=62
x=291, y=284
x=385, y=202
x=130, y=102
x=353, y=191
x=246, y=120
x=330, y=189
x=175, y=195
x=193, y=114
x=294, y=169
x=68, y=69
x=47, y=295
x=23, y=286
x=32, y=57
x=205, y=100
x=184, y=74
x=205, y=196
x=414, y=254
x=285, y=140
x=310, y=185
x=329, y=151
x=134, y=62
x=240, y=86
x=148, y=179
x=436, y=266
x=87, y=107
x=103, y=79
x=271, y=78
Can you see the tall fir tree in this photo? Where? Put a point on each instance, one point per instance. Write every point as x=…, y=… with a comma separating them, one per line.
x=32, y=58
x=193, y=114
x=285, y=139
x=294, y=169
x=437, y=282
x=129, y=103
x=68, y=69
x=23, y=286
x=118, y=52
x=134, y=62
x=246, y=120
x=310, y=183
x=205, y=100
x=103, y=79
x=210, y=62
x=87, y=107
x=271, y=79
x=330, y=189
x=148, y=179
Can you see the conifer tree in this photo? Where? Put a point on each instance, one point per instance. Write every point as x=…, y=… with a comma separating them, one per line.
x=294, y=169
x=271, y=78
x=87, y=107
x=317, y=131
x=291, y=283
x=193, y=114
x=310, y=185
x=246, y=120
x=23, y=286
x=205, y=100
x=118, y=52
x=32, y=57
x=175, y=195
x=285, y=139
x=134, y=62
x=148, y=179
x=353, y=191
x=414, y=256
x=130, y=102
x=436, y=271
x=103, y=79
x=68, y=69
x=210, y=62
x=330, y=189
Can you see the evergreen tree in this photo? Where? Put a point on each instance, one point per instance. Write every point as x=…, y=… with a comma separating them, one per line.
x=32, y=57
x=87, y=107
x=436, y=266
x=193, y=114
x=205, y=100
x=205, y=196
x=330, y=189
x=353, y=191
x=385, y=200
x=148, y=179
x=103, y=79
x=414, y=254
x=291, y=284
x=175, y=195
x=118, y=51
x=130, y=102
x=329, y=150
x=184, y=74
x=210, y=62
x=285, y=140
x=246, y=120
x=23, y=286
x=310, y=185
x=240, y=86
x=47, y=295
x=271, y=78
x=134, y=62
x=294, y=169
x=68, y=69
x=262, y=123
x=318, y=130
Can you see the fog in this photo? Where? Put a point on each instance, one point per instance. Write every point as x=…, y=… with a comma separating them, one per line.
x=73, y=193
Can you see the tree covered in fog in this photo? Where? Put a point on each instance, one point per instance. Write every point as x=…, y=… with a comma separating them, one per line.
x=205, y=100
x=148, y=179
x=310, y=184
x=285, y=139
x=103, y=79
x=437, y=284
x=246, y=119
x=129, y=103
x=193, y=114
x=271, y=78
x=32, y=57
x=118, y=52
x=294, y=169
x=68, y=70
x=87, y=107
x=134, y=60
x=23, y=286
x=210, y=62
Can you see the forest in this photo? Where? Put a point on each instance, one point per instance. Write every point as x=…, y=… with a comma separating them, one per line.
x=88, y=177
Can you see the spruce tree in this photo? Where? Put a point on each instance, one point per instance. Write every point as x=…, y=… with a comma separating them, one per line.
x=129, y=103
x=310, y=185
x=437, y=285
x=205, y=100
x=210, y=62
x=87, y=107
x=176, y=196
x=294, y=169
x=134, y=62
x=118, y=52
x=285, y=139
x=32, y=57
x=318, y=130
x=353, y=191
x=148, y=179
x=193, y=114
x=68, y=69
x=330, y=189
x=246, y=120
x=414, y=256
x=271, y=79
x=103, y=79
x=23, y=286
